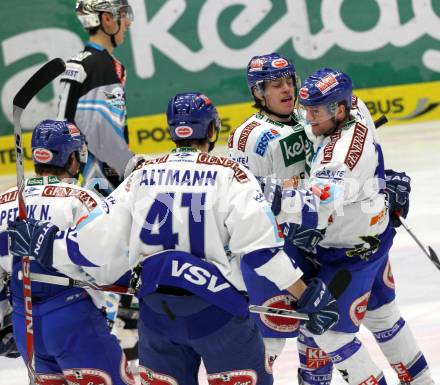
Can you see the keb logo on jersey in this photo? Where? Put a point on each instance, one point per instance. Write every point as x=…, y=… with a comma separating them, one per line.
x=358, y=308
x=279, y=63
x=42, y=155
x=327, y=83
x=294, y=148
x=280, y=324
x=184, y=131
x=316, y=358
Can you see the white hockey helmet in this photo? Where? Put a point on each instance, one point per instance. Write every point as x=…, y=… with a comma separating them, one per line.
x=88, y=11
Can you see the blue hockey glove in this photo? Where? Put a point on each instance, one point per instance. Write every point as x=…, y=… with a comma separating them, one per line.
x=8, y=348
x=33, y=238
x=319, y=304
x=398, y=187
x=272, y=192
x=303, y=237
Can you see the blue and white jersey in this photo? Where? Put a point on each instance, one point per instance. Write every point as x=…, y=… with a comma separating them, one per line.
x=47, y=199
x=188, y=201
x=349, y=165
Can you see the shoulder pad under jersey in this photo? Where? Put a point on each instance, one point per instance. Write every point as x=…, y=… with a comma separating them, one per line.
x=74, y=72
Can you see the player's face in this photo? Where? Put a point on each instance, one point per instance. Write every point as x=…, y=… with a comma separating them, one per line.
x=279, y=95
x=323, y=119
x=125, y=25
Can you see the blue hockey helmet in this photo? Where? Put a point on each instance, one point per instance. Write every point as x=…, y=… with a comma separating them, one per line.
x=326, y=86
x=269, y=67
x=54, y=140
x=190, y=116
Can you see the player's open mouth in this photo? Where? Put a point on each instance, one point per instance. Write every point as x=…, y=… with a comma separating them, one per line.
x=287, y=99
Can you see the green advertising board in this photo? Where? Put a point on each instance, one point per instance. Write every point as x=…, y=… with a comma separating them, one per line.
x=182, y=45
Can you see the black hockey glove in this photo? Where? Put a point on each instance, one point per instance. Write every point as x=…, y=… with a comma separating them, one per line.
x=319, y=304
x=303, y=237
x=8, y=348
x=398, y=187
x=272, y=192
x=33, y=238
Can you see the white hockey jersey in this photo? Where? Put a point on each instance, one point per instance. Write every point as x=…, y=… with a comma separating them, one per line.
x=272, y=149
x=49, y=199
x=189, y=201
x=347, y=162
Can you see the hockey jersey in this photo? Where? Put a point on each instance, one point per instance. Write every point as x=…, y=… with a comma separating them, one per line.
x=93, y=98
x=47, y=199
x=349, y=164
x=272, y=149
x=189, y=201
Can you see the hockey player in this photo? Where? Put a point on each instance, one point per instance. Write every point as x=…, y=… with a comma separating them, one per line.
x=73, y=343
x=93, y=96
x=275, y=148
x=177, y=214
x=348, y=164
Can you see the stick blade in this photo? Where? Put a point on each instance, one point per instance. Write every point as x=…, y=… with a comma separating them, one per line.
x=433, y=257
x=39, y=80
x=339, y=283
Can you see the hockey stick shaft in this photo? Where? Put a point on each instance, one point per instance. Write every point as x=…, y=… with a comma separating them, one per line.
x=69, y=282
x=428, y=250
x=40, y=79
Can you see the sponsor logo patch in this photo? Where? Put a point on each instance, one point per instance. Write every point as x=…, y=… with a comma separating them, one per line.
x=402, y=372
x=242, y=140
x=294, y=148
x=364, y=250
x=42, y=155
x=327, y=83
x=148, y=377
x=356, y=146
x=237, y=377
x=316, y=358
x=62, y=192
x=256, y=65
x=8, y=197
x=388, y=278
x=263, y=141
x=239, y=174
x=329, y=147
x=280, y=324
x=304, y=93
x=370, y=381
x=358, y=308
x=184, y=131
x=279, y=63
x=87, y=376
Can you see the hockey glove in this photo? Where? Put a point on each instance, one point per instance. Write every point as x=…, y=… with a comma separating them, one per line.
x=8, y=348
x=398, y=187
x=319, y=304
x=303, y=237
x=33, y=238
x=134, y=163
x=272, y=192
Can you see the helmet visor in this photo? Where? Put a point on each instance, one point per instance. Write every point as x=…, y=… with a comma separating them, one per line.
x=83, y=154
x=317, y=114
x=126, y=12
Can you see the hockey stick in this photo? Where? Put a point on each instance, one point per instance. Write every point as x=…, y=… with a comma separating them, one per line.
x=428, y=250
x=41, y=78
x=337, y=286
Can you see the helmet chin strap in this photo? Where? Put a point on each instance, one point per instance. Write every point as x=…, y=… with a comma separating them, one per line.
x=112, y=35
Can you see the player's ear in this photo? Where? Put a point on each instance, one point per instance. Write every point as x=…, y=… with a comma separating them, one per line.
x=257, y=91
